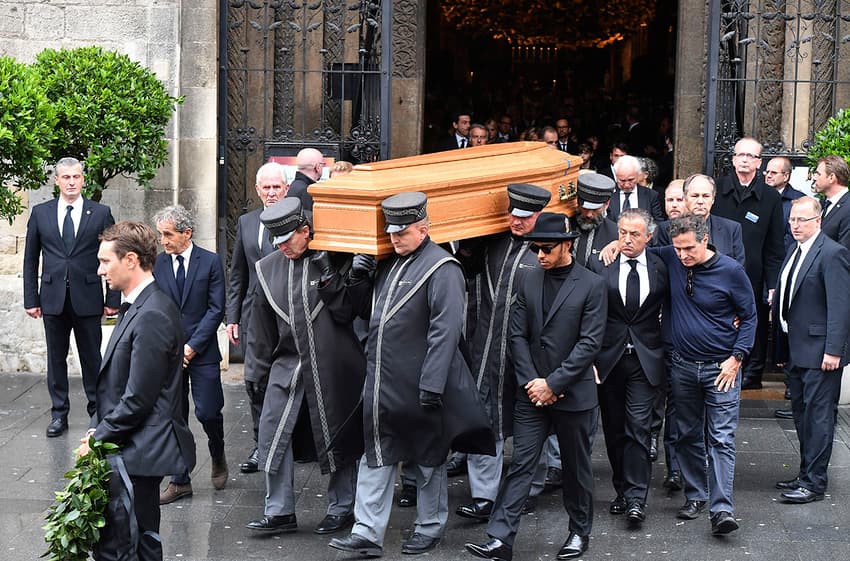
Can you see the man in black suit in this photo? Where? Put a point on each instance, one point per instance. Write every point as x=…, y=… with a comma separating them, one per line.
x=506, y=129
x=556, y=331
x=631, y=364
x=459, y=135
x=251, y=245
x=629, y=194
x=618, y=150
x=63, y=233
x=813, y=311
x=562, y=127
x=138, y=392
x=724, y=234
x=194, y=279
x=595, y=229
x=309, y=163
x=744, y=197
x=831, y=178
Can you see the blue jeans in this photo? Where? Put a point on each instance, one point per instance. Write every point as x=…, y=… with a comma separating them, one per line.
x=703, y=412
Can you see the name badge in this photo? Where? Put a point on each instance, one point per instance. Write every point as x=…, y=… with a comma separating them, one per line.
x=754, y=218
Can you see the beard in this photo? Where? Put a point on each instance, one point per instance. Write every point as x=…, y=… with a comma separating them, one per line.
x=587, y=224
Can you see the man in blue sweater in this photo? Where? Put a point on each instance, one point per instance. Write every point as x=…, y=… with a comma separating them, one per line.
x=712, y=325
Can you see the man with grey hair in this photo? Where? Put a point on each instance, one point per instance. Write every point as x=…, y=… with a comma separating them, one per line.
x=629, y=194
x=194, y=278
x=251, y=245
x=309, y=163
x=63, y=234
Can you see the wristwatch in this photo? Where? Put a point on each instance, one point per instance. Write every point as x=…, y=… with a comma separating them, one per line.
x=739, y=356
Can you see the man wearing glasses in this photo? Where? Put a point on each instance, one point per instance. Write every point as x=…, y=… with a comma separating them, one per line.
x=556, y=331
x=709, y=292
x=744, y=197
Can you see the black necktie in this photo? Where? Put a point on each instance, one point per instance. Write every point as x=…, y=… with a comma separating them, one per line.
x=786, y=294
x=121, y=311
x=462, y=143
x=68, y=230
x=181, y=276
x=826, y=204
x=563, y=147
x=632, y=288
x=627, y=204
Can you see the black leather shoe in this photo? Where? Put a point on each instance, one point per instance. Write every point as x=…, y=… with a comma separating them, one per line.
x=418, y=543
x=783, y=414
x=618, y=505
x=357, y=544
x=573, y=547
x=653, y=446
x=456, y=465
x=553, y=477
x=690, y=510
x=478, y=509
x=788, y=484
x=57, y=427
x=334, y=523
x=407, y=498
x=750, y=384
x=787, y=392
x=637, y=512
x=274, y=524
x=800, y=496
x=723, y=522
x=529, y=506
x=495, y=550
x=250, y=465
x=673, y=481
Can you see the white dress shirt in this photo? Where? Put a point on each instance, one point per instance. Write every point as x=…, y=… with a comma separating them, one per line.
x=643, y=275
x=804, y=250
x=76, y=213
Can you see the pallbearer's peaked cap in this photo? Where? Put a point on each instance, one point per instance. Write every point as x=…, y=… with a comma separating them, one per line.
x=525, y=199
x=282, y=219
x=404, y=209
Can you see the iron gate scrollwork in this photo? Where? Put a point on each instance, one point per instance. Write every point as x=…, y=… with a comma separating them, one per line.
x=774, y=74
x=296, y=74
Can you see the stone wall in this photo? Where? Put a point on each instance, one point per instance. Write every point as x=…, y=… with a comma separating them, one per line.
x=178, y=41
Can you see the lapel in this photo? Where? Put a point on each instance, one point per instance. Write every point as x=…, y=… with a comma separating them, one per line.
x=167, y=273
x=807, y=263
x=536, y=295
x=845, y=199
x=85, y=219
x=642, y=197
x=613, y=272
x=567, y=287
x=190, y=274
x=52, y=223
x=128, y=318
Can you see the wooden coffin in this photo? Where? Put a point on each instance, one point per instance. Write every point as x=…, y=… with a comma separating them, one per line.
x=466, y=189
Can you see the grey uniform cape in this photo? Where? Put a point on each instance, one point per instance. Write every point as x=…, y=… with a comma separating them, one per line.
x=312, y=356
x=415, y=330
x=494, y=286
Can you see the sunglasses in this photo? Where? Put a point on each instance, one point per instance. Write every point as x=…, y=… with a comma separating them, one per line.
x=547, y=249
x=689, y=287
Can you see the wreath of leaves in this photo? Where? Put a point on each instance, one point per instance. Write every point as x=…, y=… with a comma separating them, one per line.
x=74, y=521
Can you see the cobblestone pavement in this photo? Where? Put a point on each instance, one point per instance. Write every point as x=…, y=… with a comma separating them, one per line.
x=210, y=524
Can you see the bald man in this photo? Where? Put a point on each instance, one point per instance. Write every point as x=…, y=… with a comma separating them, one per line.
x=309, y=163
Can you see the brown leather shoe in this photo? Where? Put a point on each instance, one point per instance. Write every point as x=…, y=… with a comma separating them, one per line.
x=219, y=473
x=174, y=492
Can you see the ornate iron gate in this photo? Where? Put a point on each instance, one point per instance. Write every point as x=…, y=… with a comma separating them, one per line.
x=774, y=73
x=295, y=74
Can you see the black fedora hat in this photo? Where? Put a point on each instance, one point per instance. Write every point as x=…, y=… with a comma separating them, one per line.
x=552, y=226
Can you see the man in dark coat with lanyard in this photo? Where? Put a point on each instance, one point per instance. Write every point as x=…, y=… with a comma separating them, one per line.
x=315, y=367
x=497, y=266
x=556, y=332
x=419, y=399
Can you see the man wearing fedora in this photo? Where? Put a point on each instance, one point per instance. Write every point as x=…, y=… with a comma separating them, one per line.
x=419, y=398
x=315, y=366
x=556, y=331
x=495, y=268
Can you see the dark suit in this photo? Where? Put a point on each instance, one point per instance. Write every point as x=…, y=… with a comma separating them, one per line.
x=836, y=223
x=449, y=142
x=558, y=343
x=298, y=188
x=758, y=210
x=70, y=295
x=631, y=369
x=647, y=199
x=789, y=195
x=201, y=311
x=242, y=289
x=818, y=321
x=139, y=408
x=724, y=234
